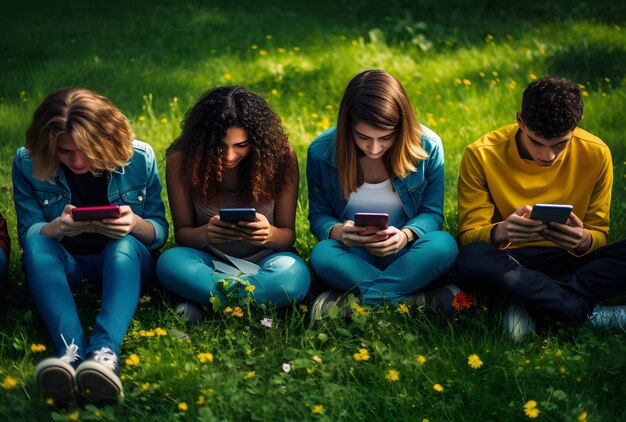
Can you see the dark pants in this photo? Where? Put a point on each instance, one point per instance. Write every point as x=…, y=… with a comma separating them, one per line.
x=545, y=281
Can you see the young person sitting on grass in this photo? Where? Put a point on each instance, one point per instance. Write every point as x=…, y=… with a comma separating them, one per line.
x=232, y=153
x=80, y=151
x=541, y=269
x=378, y=159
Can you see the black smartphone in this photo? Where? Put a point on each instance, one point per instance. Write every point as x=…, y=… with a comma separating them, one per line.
x=95, y=213
x=233, y=215
x=551, y=212
x=373, y=221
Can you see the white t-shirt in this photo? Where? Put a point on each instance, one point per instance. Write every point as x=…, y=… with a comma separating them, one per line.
x=377, y=197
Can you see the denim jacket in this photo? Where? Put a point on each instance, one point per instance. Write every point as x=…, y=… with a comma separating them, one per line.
x=137, y=185
x=421, y=192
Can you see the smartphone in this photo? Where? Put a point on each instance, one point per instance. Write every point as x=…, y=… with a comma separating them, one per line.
x=233, y=215
x=551, y=212
x=95, y=213
x=373, y=221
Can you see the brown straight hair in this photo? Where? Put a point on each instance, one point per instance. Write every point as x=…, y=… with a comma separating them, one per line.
x=377, y=98
x=95, y=125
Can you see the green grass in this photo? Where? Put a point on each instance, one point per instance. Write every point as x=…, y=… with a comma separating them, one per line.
x=464, y=67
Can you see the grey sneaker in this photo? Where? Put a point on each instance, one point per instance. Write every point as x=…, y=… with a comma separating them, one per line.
x=97, y=378
x=517, y=322
x=608, y=316
x=322, y=303
x=191, y=311
x=439, y=299
x=56, y=377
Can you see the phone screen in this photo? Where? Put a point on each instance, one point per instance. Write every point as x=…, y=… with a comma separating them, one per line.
x=233, y=215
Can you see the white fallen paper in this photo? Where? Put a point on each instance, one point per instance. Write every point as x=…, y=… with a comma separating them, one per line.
x=239, y=266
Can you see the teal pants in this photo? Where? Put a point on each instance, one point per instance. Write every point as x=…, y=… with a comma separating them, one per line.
x=284, y=278
x=393, y=278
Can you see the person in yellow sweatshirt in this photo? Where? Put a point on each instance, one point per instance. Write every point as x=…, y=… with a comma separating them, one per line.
x=541, y=268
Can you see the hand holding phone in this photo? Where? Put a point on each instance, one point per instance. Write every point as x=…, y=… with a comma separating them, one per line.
x=95, y=213
x=372, y=221
x=551, y=212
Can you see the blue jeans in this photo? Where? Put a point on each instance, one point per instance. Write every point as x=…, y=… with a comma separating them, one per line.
x=393, y=278
x=53, y=274
x=284, y=278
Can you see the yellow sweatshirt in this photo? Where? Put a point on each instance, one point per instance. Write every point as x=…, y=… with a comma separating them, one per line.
x=494, y=181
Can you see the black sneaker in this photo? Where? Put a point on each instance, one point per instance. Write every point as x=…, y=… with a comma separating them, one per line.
x=56, y=377
x=97, y=378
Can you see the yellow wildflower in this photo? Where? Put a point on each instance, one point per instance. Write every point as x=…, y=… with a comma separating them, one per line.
x=254, y=46
x=531, y=410
x=474, y=361
x=317, y=359
x=228, y=76
x=303, y=308
x=237, y=312
x=361, y=310
x=74, y=416
x=9, y=383
x=403, y=309
x=250, y=374
x=532, y=76
x=489, y=38
x=228, y=310
x=438, y=388
x=281, y=50
x=49, y=401
x=361, y=355
x=268, y=37
x=132, y=360
x=183, y=406
x=205, y=357
x=583, y=416
x=160, y=331
x=141, y=118
x=263, y=52
x=164, y=120
x=421, y=359
x=251, y=287
x=467, y=82
x=146, y=298
x=145, y=386
x=36, y=348
x=458, y=81
x=392, y=375
x=318, y=409
x=315, y=115
x=200, y=401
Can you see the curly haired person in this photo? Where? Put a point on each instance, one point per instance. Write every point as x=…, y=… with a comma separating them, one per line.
x=232, y=153
x=541, y=268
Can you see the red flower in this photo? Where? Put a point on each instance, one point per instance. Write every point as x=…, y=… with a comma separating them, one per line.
x=463, y=301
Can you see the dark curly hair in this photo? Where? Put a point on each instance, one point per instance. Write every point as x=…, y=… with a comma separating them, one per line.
x=552, y=106
x=267, y=169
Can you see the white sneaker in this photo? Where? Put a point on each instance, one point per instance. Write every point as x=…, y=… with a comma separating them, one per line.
x=608, y=316
x=56, y=377
x=97, y=378
x=190, y=311
x=517, y=322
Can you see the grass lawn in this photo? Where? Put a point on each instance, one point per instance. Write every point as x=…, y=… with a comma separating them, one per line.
x=464, y=66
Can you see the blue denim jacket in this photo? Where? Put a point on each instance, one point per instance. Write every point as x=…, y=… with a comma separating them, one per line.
x=421, y=192
x=137, y=185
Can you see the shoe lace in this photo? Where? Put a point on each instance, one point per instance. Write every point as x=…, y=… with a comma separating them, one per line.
x=71, y=351
x=106, y=357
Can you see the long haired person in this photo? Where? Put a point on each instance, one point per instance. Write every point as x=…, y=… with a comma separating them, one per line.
x=80, y=151
x=232, y=153
x=378, y=158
